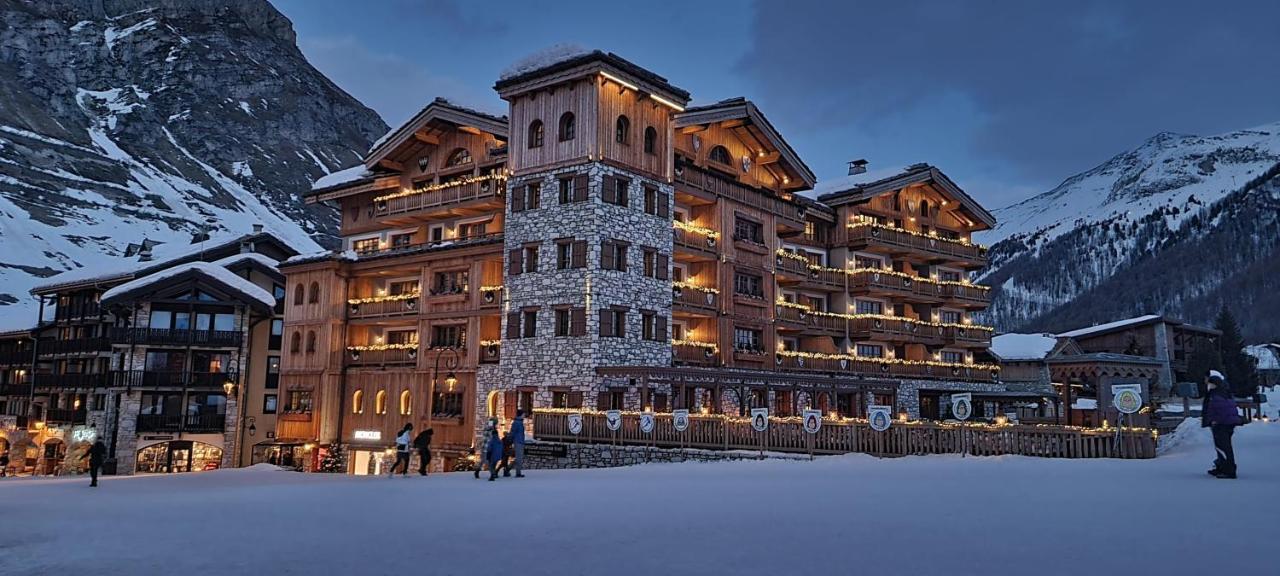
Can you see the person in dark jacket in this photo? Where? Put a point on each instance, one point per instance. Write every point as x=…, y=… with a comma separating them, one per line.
x=4, y=465
x=1221, y=415
x=481, y=449
x=508, y=450
x=493, y=453
x=403, y=450
x=423, y=444
x=517, y=437
x=97, y=455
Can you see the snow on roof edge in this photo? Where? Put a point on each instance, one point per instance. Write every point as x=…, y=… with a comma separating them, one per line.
x=215, y=271
x=1016, y=346
x=1108, y=326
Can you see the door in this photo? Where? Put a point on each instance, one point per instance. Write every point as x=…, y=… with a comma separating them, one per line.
x=180, y=456
x=929, y=407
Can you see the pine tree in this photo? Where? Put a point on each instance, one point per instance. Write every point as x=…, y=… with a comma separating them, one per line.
x=1204, y=357
x=335, y=459
x=1239, y=367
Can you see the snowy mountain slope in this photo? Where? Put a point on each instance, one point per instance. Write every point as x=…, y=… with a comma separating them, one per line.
x=123, y=120
x=1163, y=228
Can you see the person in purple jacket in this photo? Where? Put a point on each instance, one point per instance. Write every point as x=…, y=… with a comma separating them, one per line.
x=1221, y=416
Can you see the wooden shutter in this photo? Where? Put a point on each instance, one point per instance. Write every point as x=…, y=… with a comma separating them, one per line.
x=650, y=261
x=515, y=262
x=606, y=322
x=659, y=402
x=513, y=325
x=607, y=260
x=663, y=263
x=602, y=401
x=660, y=328
x=664, y=210
x=517, y=199
x=578, y=322
x=575, y=399
x=509, y=401
x=578, y=254
x=622, y=185
x=609, y=189
x=580, y=188
x=621, y=328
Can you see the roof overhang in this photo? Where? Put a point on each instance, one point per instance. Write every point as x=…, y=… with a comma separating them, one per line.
x=591, y=64
x=438, y=111
x=741, y=117
x=912, y=176
x=147, y=288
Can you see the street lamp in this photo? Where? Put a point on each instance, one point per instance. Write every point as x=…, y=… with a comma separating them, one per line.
x=450, y=379
x=253, y=429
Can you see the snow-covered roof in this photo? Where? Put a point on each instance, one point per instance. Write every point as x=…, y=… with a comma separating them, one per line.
x=1085, y=404
x=1023, y=346
x=344, y=176
x=258, y=257
x=1268, y=355
x=1109, y=326
x=544, y=58
x=841, y=184
x=214, y=271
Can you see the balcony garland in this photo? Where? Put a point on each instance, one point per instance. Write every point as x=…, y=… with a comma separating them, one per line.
x=688, y=286
x=886, y=271
x=930, y=236
x=355, y=351
x=500, y=177
x=709, y=349
x=490, y=293
x=885, y=317
x=695, y=229
x=392, y=298
x=994, y=368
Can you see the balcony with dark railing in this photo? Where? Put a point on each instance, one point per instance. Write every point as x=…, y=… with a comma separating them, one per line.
x=15, y=389
x=65, y=415
x=701, y=240
x=74, y=346
x=177, y=336
x=172, y=379
x=18, y=357
x=181, y=423
x=70, y=380
x=884, y=367
x=691, y=353
x=695, y=298
x=895, y=240
x=420, y=247
x=441, y=195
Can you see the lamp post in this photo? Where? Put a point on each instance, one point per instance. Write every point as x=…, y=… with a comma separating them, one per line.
x=450, y=379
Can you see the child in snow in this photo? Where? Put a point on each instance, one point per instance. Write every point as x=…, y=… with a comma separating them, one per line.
x=1220, y=415
x=494, y=454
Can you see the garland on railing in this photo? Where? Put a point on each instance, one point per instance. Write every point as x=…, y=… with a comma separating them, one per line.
x=885, y=317
x=886, y=271
x=490, y=288
x=695, y=229
x=867, y=223
x=686, y=285
x=392, y=298
x=793, y=256
x=873, y=359
x=706, y=345
x=796, y=305
x=490, y=342
x=382, y=347
x=500, y=177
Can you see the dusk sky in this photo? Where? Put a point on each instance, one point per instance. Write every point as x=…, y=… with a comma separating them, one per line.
x=1009, y=98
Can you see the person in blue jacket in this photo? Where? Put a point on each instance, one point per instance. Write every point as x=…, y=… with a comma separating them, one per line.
x=517, y=436
x=493, y=453
x=1221, y=415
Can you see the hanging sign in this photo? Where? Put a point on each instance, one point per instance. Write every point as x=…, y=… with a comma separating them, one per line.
x=1127, y=398
x=880, y=417
x=812, y=421
x=575, y=423
x=760, y=419
x=613, y=419
x=646, y=422
x=680, y=418
x=962, y=405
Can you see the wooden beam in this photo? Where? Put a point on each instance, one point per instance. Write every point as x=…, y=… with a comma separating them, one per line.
x=470, y=130
x=693, y=129
x=732, y=123
x=392, y=164
x=770, y=158
x=426, y=138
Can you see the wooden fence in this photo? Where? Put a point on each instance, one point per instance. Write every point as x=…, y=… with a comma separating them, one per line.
x=719, y=432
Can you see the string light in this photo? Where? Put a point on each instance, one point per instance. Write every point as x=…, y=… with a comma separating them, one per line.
x=884, y=317
x=867, y=222
x=709, y=345
x=688, y=286
x=880, y=360
x=490, y=288
x=487, y=343
x=695, y=229
x=888, y=271
x=382, y=347
x=498, y=177
x=393, y=298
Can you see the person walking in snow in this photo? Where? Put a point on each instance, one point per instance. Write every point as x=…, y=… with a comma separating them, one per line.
x=1221, y=416
x=404, y=441
x=97, y=455
x=517, y=437
x=482, y=447
x=423, y=445
x=493, y=453
x=508, y=450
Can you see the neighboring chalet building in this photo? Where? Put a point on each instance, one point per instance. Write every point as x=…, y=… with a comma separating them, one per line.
x=604, y=247
x=1268, y=358
x=1167, y=340
x=171, y=358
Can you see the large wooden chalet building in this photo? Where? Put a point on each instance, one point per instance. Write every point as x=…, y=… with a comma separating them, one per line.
x=605, y=246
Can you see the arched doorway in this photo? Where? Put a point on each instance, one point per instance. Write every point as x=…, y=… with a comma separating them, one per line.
x=52, y=453
x=178, y=456
x=491, y=404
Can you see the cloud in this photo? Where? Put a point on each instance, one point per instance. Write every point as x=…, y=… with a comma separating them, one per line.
x=1053, y=88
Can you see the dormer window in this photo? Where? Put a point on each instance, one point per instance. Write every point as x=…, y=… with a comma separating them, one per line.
x=568, y=127
x=720, y=154
x=536, y=133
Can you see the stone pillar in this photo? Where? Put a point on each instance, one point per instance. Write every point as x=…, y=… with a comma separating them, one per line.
x=127, y=439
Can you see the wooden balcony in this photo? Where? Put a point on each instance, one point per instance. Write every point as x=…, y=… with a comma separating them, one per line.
x=884, y=369
x=700, y=246
x=490, y=352
x=695, y=179
x=968, y=336
x=384, y=308
x=17, y=389
x=895, y=241
x=695, y=355
x=695, y=300
x=300, y=415
x=65, y=416
x=17, y=357
x=483, y=189
x=420, y=247
x=881, y=283
x=177, y=337
x=379, y=358
x=895, y=330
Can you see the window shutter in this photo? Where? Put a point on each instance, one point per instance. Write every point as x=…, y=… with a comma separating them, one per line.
x=621, y=325
x=663, y=265
x=606, y=322
x=660, y=328
x=609, y=189
x=607, y=261
x=509, y=401
x=664, y=210
x=659, y=402
x=622, y=185
x=602, y=401
x=580, y=188
x=513, y=325
x=650, y=263
x=515, y=262
x=535, y=193
x=575, y=399
x=578, y=254
x=517, y=199
x=578, y=322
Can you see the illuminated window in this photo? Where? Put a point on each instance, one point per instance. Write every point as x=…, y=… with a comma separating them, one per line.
x=357, y=402
x=458, y=157
x=406, y=403
x=535, y=134
x=380, y=402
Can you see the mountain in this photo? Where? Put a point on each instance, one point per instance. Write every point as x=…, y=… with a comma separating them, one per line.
x=123, y=121
x=1175, y=226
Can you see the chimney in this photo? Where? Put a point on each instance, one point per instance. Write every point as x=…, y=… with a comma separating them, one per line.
x=858, y=166
x=257, y=228
x=144, y=253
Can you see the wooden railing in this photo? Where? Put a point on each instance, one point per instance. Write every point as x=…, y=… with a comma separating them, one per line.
x=450, y=195
x=857, y=236
x=695, y=241
x=968, y=336
x=397, y=356
x=65, y=415
x=384, y=308
x=843, y=436
x=694, y=355
x=70, y=380
x=884, y=369
x=172, y=379
x=74, y=346
x=698, y=179
x=695, y=298
x=178, y=422
x=490, y=238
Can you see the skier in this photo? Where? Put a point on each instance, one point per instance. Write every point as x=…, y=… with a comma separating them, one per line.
x=483, y=446
x=96, y=455
x=403, y=443
x=1221, y=416
x=423, y=444
x=517, y=436
x=494, y=454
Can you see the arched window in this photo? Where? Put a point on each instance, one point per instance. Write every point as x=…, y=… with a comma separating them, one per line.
x=568, y=127
x=357, y=402
x=406, y=403
x=298, y=294
x=295, y=343
x=536, y=133
x=650, y=140
x=380, y=402
x=458, y=157
x=315, y=293
x=311, y=341
x=720, y=154
x=622, y=130
x=924, y=208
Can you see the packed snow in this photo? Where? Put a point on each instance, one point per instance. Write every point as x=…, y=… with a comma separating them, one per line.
x=1108, y=326
x=213, y=270
x=1268, y=355
x=1023, y=346
x=341, y=177
x=927, y=515
x=548, y=56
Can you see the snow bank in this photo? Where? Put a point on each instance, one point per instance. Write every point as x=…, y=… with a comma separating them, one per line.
x=1268, y=355
x=1023, y=346
x=213, y=270
x=548, y=56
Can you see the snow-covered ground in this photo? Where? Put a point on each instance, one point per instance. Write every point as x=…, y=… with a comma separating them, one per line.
x=839, y=515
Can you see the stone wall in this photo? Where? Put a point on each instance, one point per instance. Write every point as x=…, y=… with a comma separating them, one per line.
x=607, y=456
